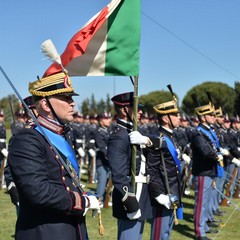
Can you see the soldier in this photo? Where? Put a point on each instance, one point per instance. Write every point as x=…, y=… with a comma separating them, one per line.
x=91, y=148
x=235, y=142
x=20, y=121
x=165, y=172
x=3, y=149
x=143, y=126
x=182, y=140
x=204, y=168
x=102, y=165
x=78, y=135
x=51, y=206
x=130, y=209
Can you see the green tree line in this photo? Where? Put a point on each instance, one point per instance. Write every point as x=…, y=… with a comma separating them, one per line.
x=222, y=95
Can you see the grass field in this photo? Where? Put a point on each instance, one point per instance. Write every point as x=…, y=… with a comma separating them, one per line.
x=229, y=227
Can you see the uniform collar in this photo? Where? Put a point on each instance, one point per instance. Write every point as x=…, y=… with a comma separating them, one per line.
x=51, y=125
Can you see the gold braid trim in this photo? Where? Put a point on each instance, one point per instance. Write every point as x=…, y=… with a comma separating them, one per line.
x=53, y=92
x=59, y=78
x=203, y=110
x=161, y=108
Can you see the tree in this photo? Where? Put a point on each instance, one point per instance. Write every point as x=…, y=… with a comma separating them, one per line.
x=154, y=98
x=6, y=103
x=222, y=96
x=237, y=102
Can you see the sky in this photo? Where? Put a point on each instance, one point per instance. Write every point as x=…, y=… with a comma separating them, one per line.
x=183, y=43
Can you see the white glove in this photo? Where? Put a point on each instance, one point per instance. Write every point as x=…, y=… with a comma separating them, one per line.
x=220, y=157
x=238, y=149
x=186, y=158
x=81, y=152
x=137, y=138
x=93, y=201
x=224, y=151
x=178, y=153
x=134, y=215
x=4, y=152
x=92, y=153
x=164, y=200
x=236, y=162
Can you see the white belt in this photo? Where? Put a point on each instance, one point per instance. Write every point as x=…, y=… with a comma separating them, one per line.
x=142, y=179
x=2, y=140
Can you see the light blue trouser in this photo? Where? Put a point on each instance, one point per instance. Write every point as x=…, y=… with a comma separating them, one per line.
x=162, y=223
x=203, y=190
x=130, y=229
x=103, y=174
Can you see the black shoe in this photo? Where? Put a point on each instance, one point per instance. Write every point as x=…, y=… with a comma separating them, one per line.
x=212, y=224
x=221, y=211
x=212, y=231
x=216, y=220
x=216, y=213
x=202, y=238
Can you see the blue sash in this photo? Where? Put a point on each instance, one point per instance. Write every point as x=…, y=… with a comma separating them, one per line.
x=214, y=139
x=62, y=145
x=172, y=149
x=211, y=135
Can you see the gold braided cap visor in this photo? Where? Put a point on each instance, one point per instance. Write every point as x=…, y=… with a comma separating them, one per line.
x=218, y=112
x=59, y=83
x=204, y=110
x=166, y=108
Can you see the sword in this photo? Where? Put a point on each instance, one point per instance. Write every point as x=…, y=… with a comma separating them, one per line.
x=227, y=199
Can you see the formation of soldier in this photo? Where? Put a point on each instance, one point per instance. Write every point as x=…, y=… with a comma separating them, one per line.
x=200, y=153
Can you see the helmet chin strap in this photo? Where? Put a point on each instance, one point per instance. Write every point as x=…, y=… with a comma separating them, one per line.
x=65, y=126
x=170, y=121
x=128, y=116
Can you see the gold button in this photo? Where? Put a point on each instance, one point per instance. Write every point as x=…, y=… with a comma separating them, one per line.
x=57, y=157
x=62, y=167
x=68, y=189
x=63, y=178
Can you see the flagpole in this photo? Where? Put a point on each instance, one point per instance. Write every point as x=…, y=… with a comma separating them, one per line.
x=135, y=122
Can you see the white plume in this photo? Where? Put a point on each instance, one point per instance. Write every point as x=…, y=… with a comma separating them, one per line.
x=49, y=50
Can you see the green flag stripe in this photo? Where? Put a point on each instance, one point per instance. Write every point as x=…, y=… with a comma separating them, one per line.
x=123, y=40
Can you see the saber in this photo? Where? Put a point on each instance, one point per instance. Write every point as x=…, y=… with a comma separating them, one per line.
x=230, y=175
x=227, y=199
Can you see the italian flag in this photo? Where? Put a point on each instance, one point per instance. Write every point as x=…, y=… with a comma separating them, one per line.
x=107, y=45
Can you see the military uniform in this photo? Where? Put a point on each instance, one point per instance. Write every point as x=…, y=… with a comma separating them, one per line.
x=2, y=140
x=164, y=169
x=102, y=164
x=51, y=205
x=204, y=170
x=125, y=201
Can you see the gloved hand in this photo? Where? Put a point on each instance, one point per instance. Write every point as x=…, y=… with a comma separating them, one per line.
x=81, y=152
x=92, y=152
x=4, y=152
x=12, y=190
x=164, y=200
x=220, y=157
x=236, y=162
x=93, y=202
x=134, y=215
x=186, y=158
x=178, y=153
x=224, y=151
x=137, y=138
